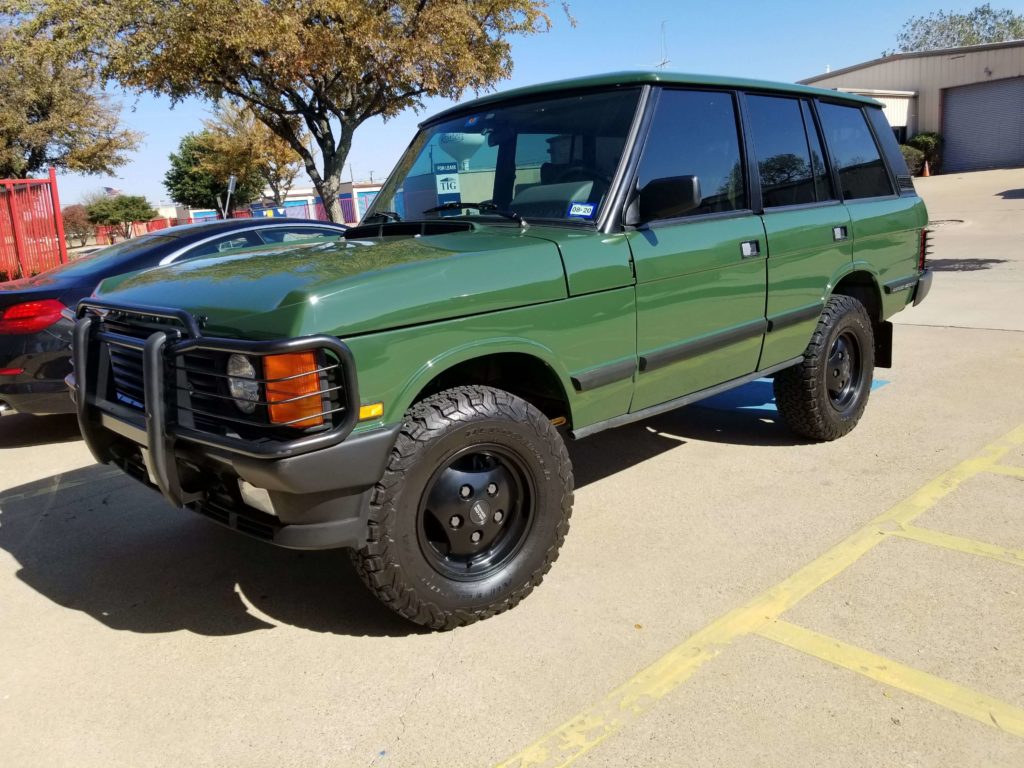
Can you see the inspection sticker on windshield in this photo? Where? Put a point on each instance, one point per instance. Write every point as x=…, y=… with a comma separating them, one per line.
x=581, y=210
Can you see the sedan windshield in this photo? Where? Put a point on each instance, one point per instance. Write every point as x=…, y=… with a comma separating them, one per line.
x=546, y=159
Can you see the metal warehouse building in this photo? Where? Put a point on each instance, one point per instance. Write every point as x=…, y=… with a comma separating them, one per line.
x=973, y=96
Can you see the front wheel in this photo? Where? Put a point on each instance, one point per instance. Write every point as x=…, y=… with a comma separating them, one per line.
x=824, y=397
x=471, y=511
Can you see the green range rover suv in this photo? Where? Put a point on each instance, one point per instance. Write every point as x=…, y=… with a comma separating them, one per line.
x=544, y=263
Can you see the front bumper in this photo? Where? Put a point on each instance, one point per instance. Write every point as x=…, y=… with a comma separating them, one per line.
x=307, y=493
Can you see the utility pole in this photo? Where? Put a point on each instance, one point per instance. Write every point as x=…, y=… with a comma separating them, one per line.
x=232, y=180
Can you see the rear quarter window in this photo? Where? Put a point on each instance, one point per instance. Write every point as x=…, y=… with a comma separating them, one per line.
x=855, y=154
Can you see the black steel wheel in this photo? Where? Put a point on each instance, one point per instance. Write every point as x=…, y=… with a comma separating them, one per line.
x=843, y=374
x=472, y=509
x=824, y=397
x=475, y=512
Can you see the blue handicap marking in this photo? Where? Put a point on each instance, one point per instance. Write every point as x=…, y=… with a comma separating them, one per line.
x=755, y=396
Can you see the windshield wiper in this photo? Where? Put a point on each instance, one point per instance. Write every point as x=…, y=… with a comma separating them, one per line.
x=482, y=207
x=386, y=215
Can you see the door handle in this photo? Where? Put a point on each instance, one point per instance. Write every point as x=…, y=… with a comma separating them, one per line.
x=750, y=249
x=839, y=233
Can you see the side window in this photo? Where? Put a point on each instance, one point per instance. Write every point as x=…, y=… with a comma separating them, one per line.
x=854, y=152
x=887, y=136
x=694, y=133
x=296, y=234
x=230, y=242
x=782, y=149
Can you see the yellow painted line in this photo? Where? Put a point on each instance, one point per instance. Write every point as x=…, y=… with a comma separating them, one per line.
x=1006, y=469
x=586, y=730
x=937, y=690
x=960, y=544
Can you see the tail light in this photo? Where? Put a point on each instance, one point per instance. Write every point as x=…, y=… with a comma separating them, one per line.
x=293, y=389
x=922, y=254
x=30, y=316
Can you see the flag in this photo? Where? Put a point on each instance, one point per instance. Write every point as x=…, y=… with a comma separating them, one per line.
x=111, y=192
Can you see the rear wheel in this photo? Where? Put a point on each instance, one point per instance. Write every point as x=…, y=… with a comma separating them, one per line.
x=824, y=397
x=471, y=511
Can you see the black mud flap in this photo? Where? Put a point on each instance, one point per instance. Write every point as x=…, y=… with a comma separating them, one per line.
x=883, y=345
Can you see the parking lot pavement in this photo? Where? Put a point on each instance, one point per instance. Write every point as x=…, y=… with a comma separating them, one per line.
x=978, y=259
x=728, y=595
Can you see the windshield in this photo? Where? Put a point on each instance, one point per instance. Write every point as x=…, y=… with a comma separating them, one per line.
x=549, y=159
x=112, y=256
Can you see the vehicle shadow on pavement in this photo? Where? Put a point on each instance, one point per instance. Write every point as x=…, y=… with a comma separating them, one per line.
x=746, y=416
x=21, y=430
x=962, y=265
x=1011, y=194
x=95, y=541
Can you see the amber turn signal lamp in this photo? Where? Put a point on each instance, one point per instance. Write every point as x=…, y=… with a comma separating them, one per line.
x=372, y=411
x=293, y=389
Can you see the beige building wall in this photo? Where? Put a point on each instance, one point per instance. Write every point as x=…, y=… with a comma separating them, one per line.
x=928, y=74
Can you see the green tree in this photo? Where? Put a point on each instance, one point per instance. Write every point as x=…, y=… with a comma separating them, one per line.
x=930, y=145
x=325, y=65
x=120, y=212
x=76, y=223
x=53, y=113
x=949, y=29
x=240, y=144
x=197, y=176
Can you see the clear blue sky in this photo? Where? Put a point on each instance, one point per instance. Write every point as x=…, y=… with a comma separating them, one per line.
x=775, y=41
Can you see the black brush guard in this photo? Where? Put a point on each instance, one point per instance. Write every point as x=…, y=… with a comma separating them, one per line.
x=157, y=427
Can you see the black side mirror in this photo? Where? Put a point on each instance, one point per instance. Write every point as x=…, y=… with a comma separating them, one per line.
x=665, y=198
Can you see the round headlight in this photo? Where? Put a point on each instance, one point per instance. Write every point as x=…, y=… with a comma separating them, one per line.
x=241, y=383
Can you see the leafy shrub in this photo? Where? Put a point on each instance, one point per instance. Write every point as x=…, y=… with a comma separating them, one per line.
x=930, y=143
x=914, y=158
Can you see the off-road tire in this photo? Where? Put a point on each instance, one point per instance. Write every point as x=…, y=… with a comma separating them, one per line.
x=802, y=393
x=394, y=565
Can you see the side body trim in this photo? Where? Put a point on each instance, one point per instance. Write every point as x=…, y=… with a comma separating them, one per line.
x=651, y=361
x=606, y=374
x=903, y=284
x=793, y=317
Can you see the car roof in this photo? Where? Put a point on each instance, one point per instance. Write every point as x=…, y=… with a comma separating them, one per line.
x=645, y=77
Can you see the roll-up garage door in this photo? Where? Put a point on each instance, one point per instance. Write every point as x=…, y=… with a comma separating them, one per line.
x=983, y=125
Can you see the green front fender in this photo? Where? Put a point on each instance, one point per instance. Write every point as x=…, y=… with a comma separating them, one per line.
x=566, y=337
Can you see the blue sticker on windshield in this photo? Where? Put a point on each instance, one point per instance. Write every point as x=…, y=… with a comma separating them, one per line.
x=580, y=210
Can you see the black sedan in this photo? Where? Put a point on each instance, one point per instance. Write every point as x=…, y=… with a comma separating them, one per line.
x=35, y=339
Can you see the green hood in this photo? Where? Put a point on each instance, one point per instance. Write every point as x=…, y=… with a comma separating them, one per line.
x=344, y=288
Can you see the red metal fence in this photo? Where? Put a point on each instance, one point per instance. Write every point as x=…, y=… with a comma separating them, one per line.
x=31, y=227
x=106, y=234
